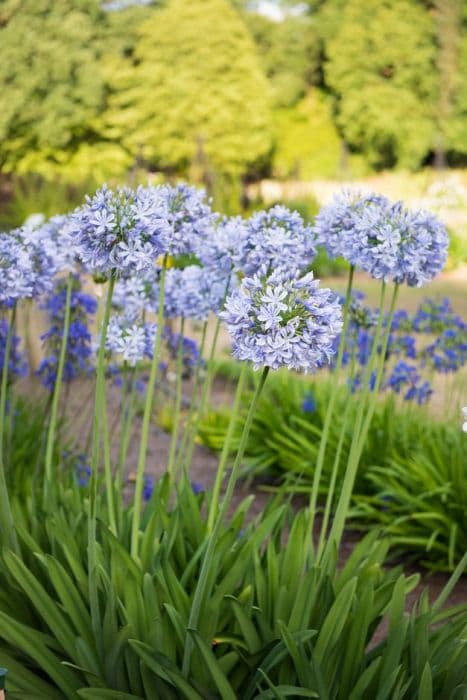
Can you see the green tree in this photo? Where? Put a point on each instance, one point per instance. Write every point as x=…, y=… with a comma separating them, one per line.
x=192, y=91
x=451, y=21
x=381, y=67
x=290, y=52
x=51, y=86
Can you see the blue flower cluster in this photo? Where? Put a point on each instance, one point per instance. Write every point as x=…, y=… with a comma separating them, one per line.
x=125, y=231
x=446, y=353
x=132, y=341
x=283, y=320
x=191, y=356
x=194, y=292
x=79, y=352
x=17, y=365
x=277, y=238
x=383, y=238
x=26, y=269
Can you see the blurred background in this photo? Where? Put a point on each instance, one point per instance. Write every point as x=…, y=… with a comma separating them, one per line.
x=259, y=102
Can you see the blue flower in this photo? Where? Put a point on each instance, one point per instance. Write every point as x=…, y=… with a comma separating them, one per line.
x=122, y=231
x=309, y=403
x=148, y=487
x=17, y=366
x=79, y=351
x=298, y=334
x=273, y=240
x=384, y=239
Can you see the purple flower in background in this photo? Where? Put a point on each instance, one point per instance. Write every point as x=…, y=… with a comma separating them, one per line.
x=194, y=292
x=148, y=487
x=197, y=487
x=224, y=245
x=309, y=403
x=79, y=351
x=131, y=340
x=17, y=366
x=283, y=321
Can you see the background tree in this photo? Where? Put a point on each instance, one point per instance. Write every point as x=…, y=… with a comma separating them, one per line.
x=381, y=67
x=52, y=88
x=192, y=86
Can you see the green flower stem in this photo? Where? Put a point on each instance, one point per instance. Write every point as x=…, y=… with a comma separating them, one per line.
x=379, y=373
x=148, y=406
x=178, y=400
x=49, y=450
x=99, y=405
x=189, y=434
x=202, y=587
x=335, y=468
x=126, y=423
x=109, y=484
x=330, y=408
x=7, y=528
x=354, y=456
x=214, y=505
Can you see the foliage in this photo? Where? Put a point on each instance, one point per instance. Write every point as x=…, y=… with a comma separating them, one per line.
x=275, y=624
x=381, y=67
x=290, y=53
x=167, y=104
x=421, y=499
x=53, y=80
x=412, y=471
x=34, y=195
x=24, y=439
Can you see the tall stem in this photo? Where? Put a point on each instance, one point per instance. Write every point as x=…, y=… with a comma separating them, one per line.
x=126, y=422
x=7, y=528
x=330, y=408
x=189, y=434
x=49, y=450
x=99, y=405
x=214, y=505
x=148, y=405
x=202, y=587
x=354, y=455
x=379, y=372
x=178, y=399
x=109, y=485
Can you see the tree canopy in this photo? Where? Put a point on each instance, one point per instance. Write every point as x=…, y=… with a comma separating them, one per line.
x=202, y=95
x=99, y=87
x=52, y=88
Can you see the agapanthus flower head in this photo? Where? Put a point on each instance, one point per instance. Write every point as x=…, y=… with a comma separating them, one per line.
x=55, y=239
x=283, y=320
x=335, y=224
x=194, y=292
x=275, y=239
x=131, y=341
x=423, y=248
x=383, y=238
x=139, y=293
x=122, y=231
x=26, y=268
x=224, y=245
x=187, y=215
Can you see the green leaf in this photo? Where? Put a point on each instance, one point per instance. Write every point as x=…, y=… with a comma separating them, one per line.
x=220, y=680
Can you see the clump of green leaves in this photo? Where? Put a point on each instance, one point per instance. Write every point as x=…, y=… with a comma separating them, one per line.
x=277, y=622
x=412, y=473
